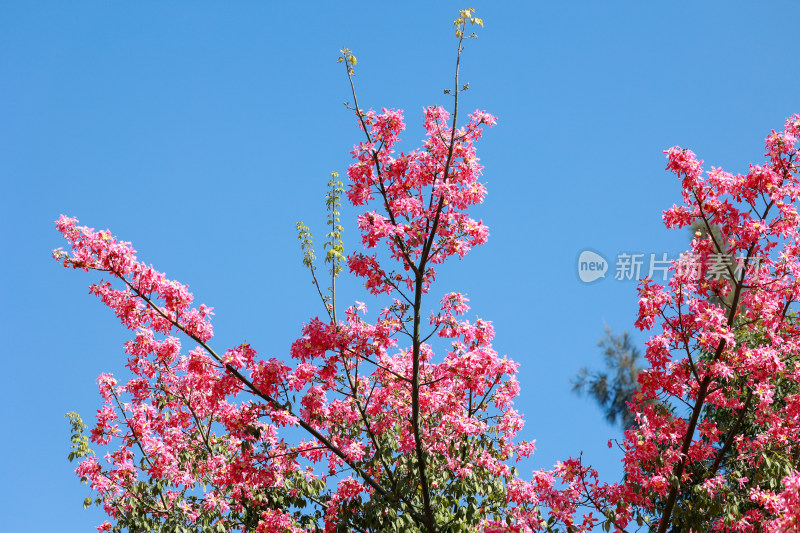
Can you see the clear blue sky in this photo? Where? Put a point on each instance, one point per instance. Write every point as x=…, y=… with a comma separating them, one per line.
x=202, y=131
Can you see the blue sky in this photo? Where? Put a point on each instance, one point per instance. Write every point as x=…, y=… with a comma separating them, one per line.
x=202, y=131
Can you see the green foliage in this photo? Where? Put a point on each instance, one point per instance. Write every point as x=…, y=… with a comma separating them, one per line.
x=306, y=245
x=80, y=442
x=695, y=509
x=334, y=246
x=460, y=503
x=614, y=388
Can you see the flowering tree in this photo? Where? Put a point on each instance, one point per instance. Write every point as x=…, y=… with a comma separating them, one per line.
x=399, y=438
x=717, y=450
x=395, y=437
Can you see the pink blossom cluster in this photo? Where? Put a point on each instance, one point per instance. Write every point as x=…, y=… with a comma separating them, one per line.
x=425, y=192
x=199, y=419
x=723, y=345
